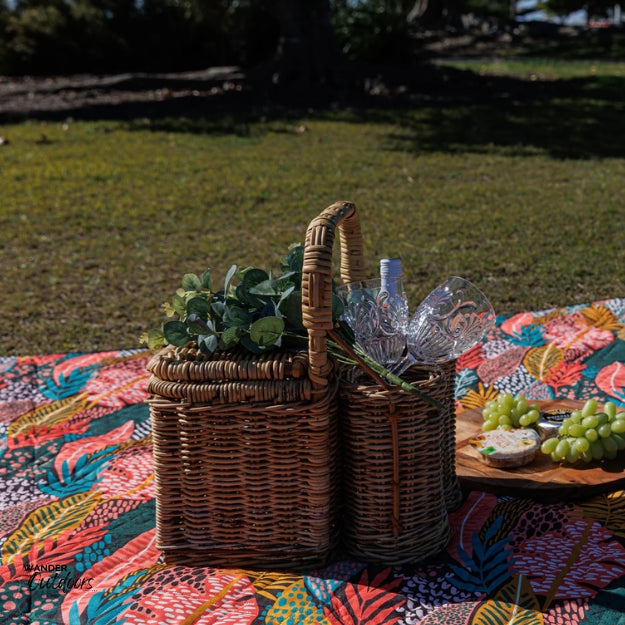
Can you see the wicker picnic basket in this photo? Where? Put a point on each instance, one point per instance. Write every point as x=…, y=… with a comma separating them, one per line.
x=246, y=446
x=398, y=460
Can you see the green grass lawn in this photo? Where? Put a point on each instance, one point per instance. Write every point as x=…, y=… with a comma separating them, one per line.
x=99, y=222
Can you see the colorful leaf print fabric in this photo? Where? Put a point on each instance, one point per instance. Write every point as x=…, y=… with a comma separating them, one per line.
x=77, y=506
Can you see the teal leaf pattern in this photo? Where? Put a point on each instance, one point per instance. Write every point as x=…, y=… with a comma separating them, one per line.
x=489, y=566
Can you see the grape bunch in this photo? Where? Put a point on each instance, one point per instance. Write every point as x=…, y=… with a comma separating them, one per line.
x=507, y=412
x=588, y=435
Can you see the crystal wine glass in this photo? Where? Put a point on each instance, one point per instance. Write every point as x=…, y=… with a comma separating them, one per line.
x=449, y=321
x=378, y=317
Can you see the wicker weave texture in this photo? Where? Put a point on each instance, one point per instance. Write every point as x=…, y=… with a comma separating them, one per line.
x=393, y=493
x=451, y=487
x=245, y=447
x=246, y=485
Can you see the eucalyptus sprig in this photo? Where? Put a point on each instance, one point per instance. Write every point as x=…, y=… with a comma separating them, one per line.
x=254, y=309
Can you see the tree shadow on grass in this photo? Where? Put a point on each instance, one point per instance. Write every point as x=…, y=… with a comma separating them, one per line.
x=560, y=128
x=437, y=108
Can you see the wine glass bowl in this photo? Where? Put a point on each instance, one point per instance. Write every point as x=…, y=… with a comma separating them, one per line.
x=377, y=314
x=449, y=321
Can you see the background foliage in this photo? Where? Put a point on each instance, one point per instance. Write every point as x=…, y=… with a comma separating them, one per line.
x=73, y=36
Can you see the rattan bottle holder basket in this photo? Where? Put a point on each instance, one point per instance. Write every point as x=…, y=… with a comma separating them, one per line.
x=398, y=458
x=246, y=447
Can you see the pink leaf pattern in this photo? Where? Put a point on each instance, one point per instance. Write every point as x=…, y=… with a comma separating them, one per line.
x=573, y=332
x=117, y=387
x=137, y=554
x=600, y=560
x=130, y=473
x=502, y=365
x=569, y=612
x=611, y=380
x=70, y=452
x=515, y=324
x=227, y=598
x=469, y=519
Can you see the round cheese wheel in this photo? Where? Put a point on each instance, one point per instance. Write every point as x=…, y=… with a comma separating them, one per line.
x=506, y=448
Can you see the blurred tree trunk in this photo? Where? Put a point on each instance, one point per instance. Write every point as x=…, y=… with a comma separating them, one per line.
x=307, y=53
x=436, y=12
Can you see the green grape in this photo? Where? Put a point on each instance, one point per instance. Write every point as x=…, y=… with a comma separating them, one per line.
x=604, y=430
x=504, y=420
x=620, y=440
x=590, y=407
x=487, y=413
x=525, y=420
x=489, y=425
x=576, y=429
x=610, y=409
x=592, y=435
x=602, y=417
x=506, y=401
x=582, y=445
x=555, y=457
x=562, y=448
x=533, y=414
x=609, y=444
x=586, y=456
x=549, y=445
x=597, y=450
x=620, y=415
x=564, y=427
x=590, y=421
x=618, y=426
x=572, y=455
x=576, y=416
x=505, y=426
x=521, y=404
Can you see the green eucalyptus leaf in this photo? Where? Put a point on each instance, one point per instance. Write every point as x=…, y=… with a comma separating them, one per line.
x=155, y=339
x=245, y=298
x=267, y=331
x=250, y=346
x=218, y=309
x=198, y=306
x=175, y=333
x=266, y=288
x=206, y=280
x=239, y=317
x=208, y=343
x=252, y=276
x=295, y=258
x=177, y=303
x=291, y=308
x=285, y=294
x=197, y=325
x=229, y=276
x=230, y=337
x=190, y=282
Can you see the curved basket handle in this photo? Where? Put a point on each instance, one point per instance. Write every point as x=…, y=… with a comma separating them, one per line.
x=317, y=281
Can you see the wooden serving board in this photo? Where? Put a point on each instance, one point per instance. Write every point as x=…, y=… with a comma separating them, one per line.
x=542, y=478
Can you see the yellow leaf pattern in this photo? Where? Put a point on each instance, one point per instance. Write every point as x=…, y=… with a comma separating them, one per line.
x=601, y=317
x=609, y=510
x=478, y=399
x=48, y=522
x=514, y=604
x=49, y=414
x=539, y=360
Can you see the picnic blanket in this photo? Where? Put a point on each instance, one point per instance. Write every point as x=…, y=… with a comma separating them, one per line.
x=77, y=529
